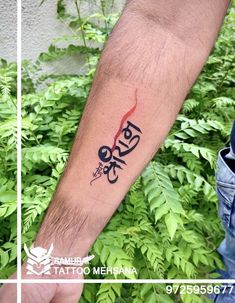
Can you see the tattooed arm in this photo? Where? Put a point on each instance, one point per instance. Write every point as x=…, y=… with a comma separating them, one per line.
x=151, y=60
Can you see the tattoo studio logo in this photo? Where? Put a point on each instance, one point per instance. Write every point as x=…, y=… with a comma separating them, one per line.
x=39, y=261
x=112, y=158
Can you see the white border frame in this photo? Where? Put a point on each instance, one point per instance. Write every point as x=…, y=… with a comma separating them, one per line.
x=19, y=158
x=19, y=281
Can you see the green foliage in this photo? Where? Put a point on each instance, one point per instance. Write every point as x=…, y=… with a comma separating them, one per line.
x=8, y=137
x=167, y=225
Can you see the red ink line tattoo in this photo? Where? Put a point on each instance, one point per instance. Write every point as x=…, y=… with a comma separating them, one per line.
x=124, y=118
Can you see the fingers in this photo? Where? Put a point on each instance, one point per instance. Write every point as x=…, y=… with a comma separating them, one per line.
x=8, y=293
x=68, y=293
x=38, y=293
x=42, y=293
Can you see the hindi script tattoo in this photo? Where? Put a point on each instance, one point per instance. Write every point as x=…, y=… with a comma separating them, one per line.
x=112, y=159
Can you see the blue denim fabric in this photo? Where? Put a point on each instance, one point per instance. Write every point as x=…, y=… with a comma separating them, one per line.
x=225, y=178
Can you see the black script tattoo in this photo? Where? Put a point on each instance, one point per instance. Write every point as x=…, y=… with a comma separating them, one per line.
x=112, y=160
x=125, y=141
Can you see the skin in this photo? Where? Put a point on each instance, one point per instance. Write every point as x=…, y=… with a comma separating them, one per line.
x=157, y=48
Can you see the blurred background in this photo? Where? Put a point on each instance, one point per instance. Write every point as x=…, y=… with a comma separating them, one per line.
x=8, y=29
x=41, y=25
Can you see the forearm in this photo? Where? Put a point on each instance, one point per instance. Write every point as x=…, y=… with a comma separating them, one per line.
x=151, y=60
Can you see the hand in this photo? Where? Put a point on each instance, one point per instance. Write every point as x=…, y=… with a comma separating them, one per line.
x=51, y=293
x=8, y=293
x=43, y=293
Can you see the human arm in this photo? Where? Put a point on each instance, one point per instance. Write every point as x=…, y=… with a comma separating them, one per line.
x=150, y=62
x=159, y=49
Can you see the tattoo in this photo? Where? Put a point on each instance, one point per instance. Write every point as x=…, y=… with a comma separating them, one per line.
x=125, y=141
x=98, y=172
x=124, y=118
